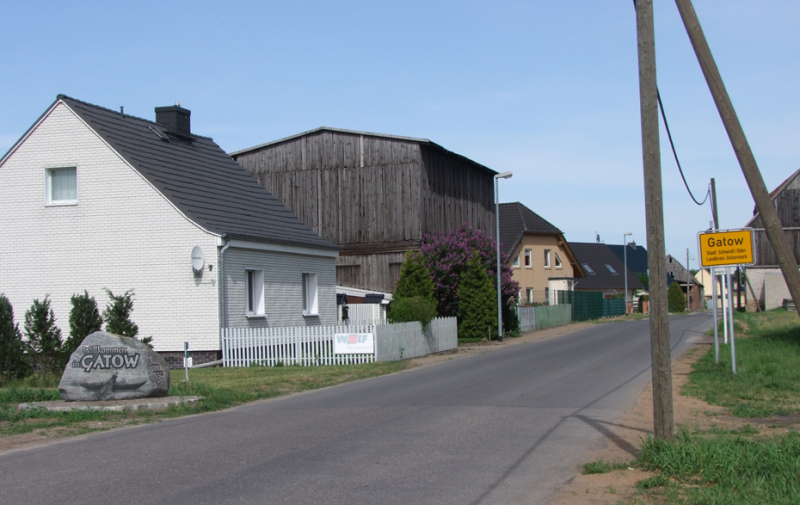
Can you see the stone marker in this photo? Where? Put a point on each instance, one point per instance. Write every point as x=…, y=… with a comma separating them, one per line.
x=110, y=367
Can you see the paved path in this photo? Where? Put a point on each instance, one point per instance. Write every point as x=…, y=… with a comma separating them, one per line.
x=502, y=427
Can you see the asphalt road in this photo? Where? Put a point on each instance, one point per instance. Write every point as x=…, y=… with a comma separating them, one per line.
x=504, y=427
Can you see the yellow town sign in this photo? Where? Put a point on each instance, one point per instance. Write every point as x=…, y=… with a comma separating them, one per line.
x=726, y=248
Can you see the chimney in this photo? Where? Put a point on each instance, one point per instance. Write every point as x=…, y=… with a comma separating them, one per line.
x=175, y=119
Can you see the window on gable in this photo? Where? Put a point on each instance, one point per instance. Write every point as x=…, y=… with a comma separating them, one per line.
x=547, y=258
x=558, y=261
x=310, y=298
x=254, y=284
x=516, y=261
x=61, y=186
x=527, y=258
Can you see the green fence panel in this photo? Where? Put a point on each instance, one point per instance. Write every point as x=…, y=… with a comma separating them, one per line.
x=585, y=305
x=613, y=307
x=553, y=315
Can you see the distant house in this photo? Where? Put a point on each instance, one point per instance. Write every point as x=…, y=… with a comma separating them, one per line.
x=691, y=288
x=764, y=282
x=540, y=258
x=375, y=195
x=605, y=272
x=93, y=198
x=634, y=255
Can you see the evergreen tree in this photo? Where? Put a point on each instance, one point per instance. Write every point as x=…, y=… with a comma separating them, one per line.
x=13, y=362
x=84, y=319
x=118, y=314
x=44, y=337
x=675, y=298
x=477, y=302
x=415, y=280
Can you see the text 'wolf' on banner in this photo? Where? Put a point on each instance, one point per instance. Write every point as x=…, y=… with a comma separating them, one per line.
x=353, y=343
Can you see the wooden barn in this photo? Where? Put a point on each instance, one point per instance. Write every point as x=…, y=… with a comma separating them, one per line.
x=375, y=195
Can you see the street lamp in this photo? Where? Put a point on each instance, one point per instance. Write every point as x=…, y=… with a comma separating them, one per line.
x=504, y=175
x=625, y=258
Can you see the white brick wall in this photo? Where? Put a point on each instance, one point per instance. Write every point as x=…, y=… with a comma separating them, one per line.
x=283, y=304
x=122, y=235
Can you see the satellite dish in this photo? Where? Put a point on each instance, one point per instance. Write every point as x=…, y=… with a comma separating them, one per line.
x=198, y=259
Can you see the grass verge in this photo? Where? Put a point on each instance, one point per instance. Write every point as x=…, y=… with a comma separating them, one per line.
x=747, y=465
x=219, y=388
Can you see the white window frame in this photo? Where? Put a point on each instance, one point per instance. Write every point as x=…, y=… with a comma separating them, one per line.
x=529, y=295
x=50, y=200
x=516, y=261
x=254, y=293
x=528, y=261
x=310, y=294
x=547, y=258
x=558, y=261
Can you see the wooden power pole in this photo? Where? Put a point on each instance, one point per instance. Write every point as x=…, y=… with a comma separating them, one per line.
x=772, y=224
x=663, y=420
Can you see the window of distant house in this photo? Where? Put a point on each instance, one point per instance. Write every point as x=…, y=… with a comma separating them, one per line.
x=527, y=258
x=61, y=186
x=516, y=261
x=547, y=258
x=310, y=295
x=547, y=295
x=254, y=284
x=529, y=295
x=558, y=261
x=611, y=269
x=587, y=269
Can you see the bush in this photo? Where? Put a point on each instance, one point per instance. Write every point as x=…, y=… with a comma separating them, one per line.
x=415, y=280
x=640, y=305
x=84, y=319
x=415, y=308
x=44, y=337
x=13, y=362
x=477, y=302
x=675, y=298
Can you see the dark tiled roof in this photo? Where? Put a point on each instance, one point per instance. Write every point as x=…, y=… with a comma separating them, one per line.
x=199, y=178
x=516, y=220
x=598, y=257
x=637, y=257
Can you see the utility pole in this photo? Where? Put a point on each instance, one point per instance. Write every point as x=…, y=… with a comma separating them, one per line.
x=663, y=420
x=772, y=224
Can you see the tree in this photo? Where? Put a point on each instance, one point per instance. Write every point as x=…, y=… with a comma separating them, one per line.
x=644, y=279
x=13, y=362
x=675, y=298
x=84, y=319
x=118, y=314
x=446, y=256
x=415, y=279
x=477, y=302
x=44, y=337
x=413, y=297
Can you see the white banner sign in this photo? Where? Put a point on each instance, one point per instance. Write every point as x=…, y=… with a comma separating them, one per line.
x=353, y=343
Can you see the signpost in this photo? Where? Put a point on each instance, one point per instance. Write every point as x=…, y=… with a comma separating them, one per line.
x=726, y=248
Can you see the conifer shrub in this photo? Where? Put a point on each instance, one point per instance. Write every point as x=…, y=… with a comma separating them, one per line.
x=13, y=359
x=44, y=337
x=415, y=280
x=477, y=302
x=675, y=298
x=84, y=319
x=117, y=315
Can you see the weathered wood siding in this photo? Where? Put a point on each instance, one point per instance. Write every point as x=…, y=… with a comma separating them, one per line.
x=765, y=254
x=787, y=205
x=376, y=196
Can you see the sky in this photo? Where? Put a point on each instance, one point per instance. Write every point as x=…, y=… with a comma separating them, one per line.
x=546, y=90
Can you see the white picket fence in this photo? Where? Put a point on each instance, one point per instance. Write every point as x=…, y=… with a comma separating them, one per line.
x=313, y=345
x=300, y=345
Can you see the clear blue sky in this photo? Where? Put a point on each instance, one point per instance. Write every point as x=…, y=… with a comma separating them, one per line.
x=547, y=90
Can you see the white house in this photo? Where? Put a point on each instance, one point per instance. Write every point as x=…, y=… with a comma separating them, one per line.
x=92, y=198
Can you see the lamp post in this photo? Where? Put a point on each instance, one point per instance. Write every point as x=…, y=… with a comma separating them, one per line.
x=625, y=259
x=504, y=175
